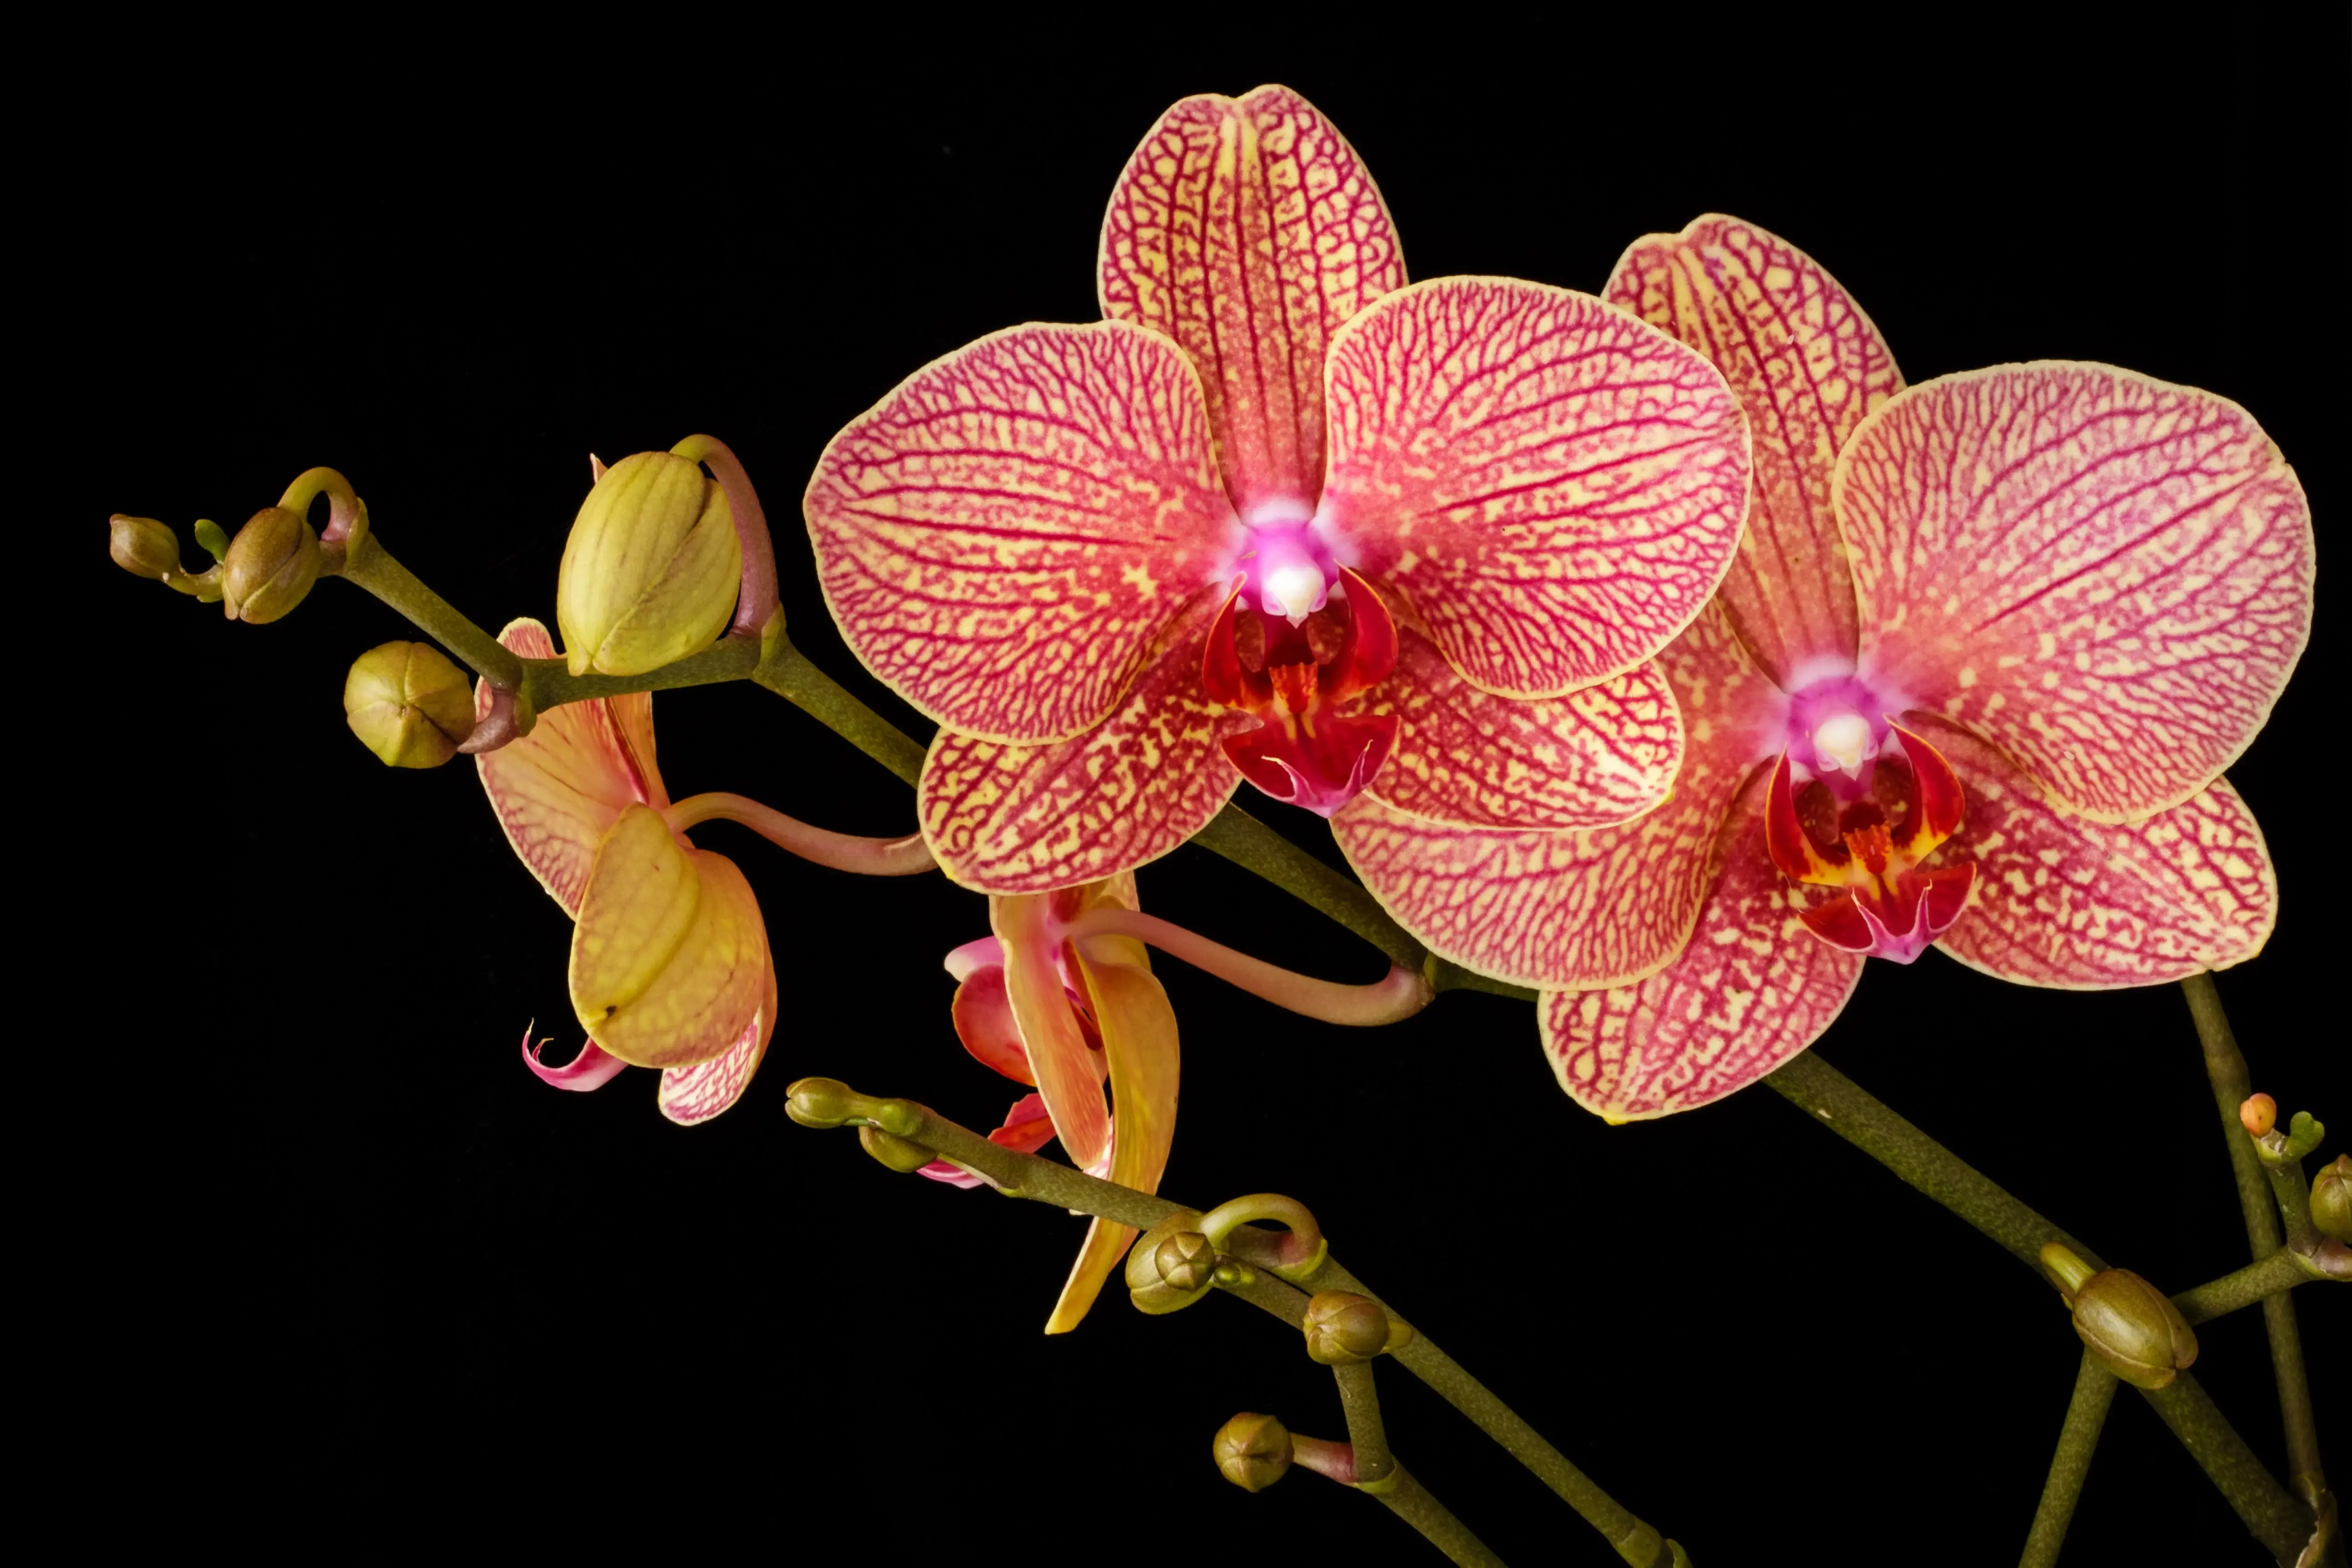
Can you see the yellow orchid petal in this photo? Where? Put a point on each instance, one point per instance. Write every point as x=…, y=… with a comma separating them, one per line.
x=1069, y=1075
x=669, y=957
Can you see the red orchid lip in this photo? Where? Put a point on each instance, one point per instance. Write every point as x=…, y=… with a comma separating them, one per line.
x=1294, y=677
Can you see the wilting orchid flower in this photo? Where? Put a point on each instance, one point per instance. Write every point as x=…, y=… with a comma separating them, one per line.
x=1987, y=645
x=1050, y=1003
x=1280, y=516
x=670, y=964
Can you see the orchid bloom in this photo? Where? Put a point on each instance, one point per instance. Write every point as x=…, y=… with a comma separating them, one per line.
x=1987, y=645
x=1050, y=1003
x=670, y=964
x=1279, y=516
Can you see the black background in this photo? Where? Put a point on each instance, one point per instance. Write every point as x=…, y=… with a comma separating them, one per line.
x=345, y=1277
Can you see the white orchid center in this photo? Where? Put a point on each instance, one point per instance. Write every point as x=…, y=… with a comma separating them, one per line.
x=1842, y=740
x=1291, y=591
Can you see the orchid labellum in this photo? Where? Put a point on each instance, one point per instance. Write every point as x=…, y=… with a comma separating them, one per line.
x=670, y=964
x=1987, y=647
x=1280, y=516
x=1047, y=1004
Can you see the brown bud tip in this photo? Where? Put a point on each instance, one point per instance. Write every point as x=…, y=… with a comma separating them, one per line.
x=2258, y=1115
x=141, y=546
x=408, y=705
x=1344, y=1328
x=1253, y=1451
x=1186, y=1260
x=2331, y=1198
x=271, y=564
x=2130, y=1325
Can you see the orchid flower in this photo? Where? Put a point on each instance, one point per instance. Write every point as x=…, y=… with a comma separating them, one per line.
x=1280, y=516
x=1047, y=1002
x=1987, y=645
x=670, y=963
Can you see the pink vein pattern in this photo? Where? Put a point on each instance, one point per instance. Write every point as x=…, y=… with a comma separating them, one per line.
x=1002, y=537
x=2107, y=576
x=2081, y=905
x=1556, y=487
x=1753, y=988
x=1028, y=819
x=1578, y=908
x=692, y=1094
x=1591, y=759
x=1807, y=365
x=1247, y=230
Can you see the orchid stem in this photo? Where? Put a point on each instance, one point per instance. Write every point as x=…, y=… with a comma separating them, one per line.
x=1411, y=1501
x=2086, y=1413
x=1399, y=995
x=371, y=566
x=1048, y=1181
x=2274, y=1276
x=1366, y=1434
x=2281, y=1523
x=792, y=676
x=2226, y=1066
x=841, y=851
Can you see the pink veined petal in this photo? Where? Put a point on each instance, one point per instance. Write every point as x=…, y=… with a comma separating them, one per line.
x=1572, y=910
x=1806, y=365
x=2081, y=906
x=1004, y=536
x=1753, y=988
x=1027, y=820
x=2107, y=576
x=1068, y=1072
x=695, y=1094
x=1555, y=486
x=558, y=789
x=1248, y=231
x=1470, y=758
x=591, y=1069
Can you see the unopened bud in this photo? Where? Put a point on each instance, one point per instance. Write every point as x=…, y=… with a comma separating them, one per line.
x=1343, y=1328
x=271, y=564
x=2331, y=1198
x=651, y=569
x=1165, y=1267
x=1253, y=1451
x=142, y=546
x=2130, y=1326
x=408, y=705
x=821, y=1102
x=2258, y=1114
x=894, y=1151
x=1186, y=1260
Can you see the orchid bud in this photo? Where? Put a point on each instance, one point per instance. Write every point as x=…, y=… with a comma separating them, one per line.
x=142, y=546
x=2130, y=1326
x=894, y=1151
x=271, y=564
x=821, y=1102
x=408, y=705
x=2258, y=1114
x=2331, y=1199
x=650, y=572
x=1253, y=1451
x=1343, y=1328
x=1165, y=1270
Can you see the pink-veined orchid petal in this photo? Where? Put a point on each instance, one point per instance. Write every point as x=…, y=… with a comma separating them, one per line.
x=1753, y=988
x=1139, y=1034
x=2081, y=906
x=591, y=1069
x=1806, y=365
x=1469, y=759
x=1554, y=486
x=1067, y=1072
x=557, y=790
x=2107, y=576
x=691, y=1095
x=982, y=1011
x=1599, y=907
x=669, y=960
x=1247, y=230
x=1003, y=538
x=1027, y=820
x=1026, y=1129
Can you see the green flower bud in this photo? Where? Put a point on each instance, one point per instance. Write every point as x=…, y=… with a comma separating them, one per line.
x=1186, y=1260
x=271, y=564
x=1343, y=1328
x=894, y=1151
x=1253, y=1451
x=651, y=569
x=408, y=705
x=2331, y=1199
x=142, y=546
x=821, y=1102
x=2129, y=1324
x=1171, y=1265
